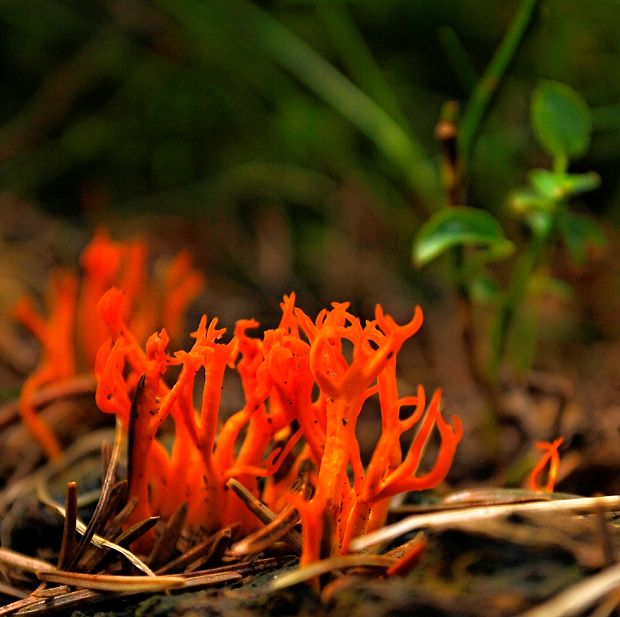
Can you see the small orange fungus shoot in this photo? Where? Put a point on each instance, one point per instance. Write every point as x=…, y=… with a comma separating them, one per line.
x=305, y=383
x=550, y=459
x=69, y=331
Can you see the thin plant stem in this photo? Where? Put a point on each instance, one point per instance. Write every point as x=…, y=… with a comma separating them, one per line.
x=523, y=270
x=447, y=133
x=488, y=85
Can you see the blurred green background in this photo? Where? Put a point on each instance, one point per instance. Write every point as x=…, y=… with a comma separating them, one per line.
x=292, y=141
x=291, y=145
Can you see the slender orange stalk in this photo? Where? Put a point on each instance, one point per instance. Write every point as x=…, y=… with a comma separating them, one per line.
x=550, y=459
x=57, y=354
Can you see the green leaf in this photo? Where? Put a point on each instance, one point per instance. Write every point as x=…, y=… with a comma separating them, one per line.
x=579, y=233
x=558, y=186
x=561, y=119
x=460, y=226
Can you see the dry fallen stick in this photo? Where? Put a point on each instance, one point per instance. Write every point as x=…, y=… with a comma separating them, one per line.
x=199, y=554
x=17, y=561
x=438, y=520
x=123, y=540
x=323, y=566
x=262, y=512
x=254, y=505
x=101, y=542
x=476, y=496
x=238, y=569
x=167, y=540
x=112, y=582
x=280, y=527
x=62, y=598
x=68, y=535
x=65, y=600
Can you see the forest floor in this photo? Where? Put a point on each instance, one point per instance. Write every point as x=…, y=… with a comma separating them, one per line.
x=493, y=565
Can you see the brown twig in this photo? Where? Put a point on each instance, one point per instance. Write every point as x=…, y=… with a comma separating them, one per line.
x=254, y=505
x=123, y=540
x=60, y=598
x=117, y=518
x=446, y=132
x=67, y=546
x=198, y=555
x=277, y=526
x=406, y=555
x=167, y=540
x=97, y=521
x=607, y=547
x=280, y=527
x=323, y=566
x=131, y=431
x=24, y=563
x=112, y=582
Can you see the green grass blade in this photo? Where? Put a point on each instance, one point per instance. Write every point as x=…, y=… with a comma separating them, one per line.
x=488, y=85
x=357, y=58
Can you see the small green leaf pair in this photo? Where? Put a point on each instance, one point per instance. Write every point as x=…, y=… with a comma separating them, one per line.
x=548, y=190
x=562, y=124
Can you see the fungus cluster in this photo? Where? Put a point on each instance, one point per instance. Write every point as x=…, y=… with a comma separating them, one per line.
x=70, y=333
x=305, y=384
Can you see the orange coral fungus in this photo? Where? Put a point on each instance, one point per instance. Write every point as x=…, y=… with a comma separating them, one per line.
x=70, y=333
x=299, y=384
x=341, y=509
x=550, y=457
x=57, y=355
